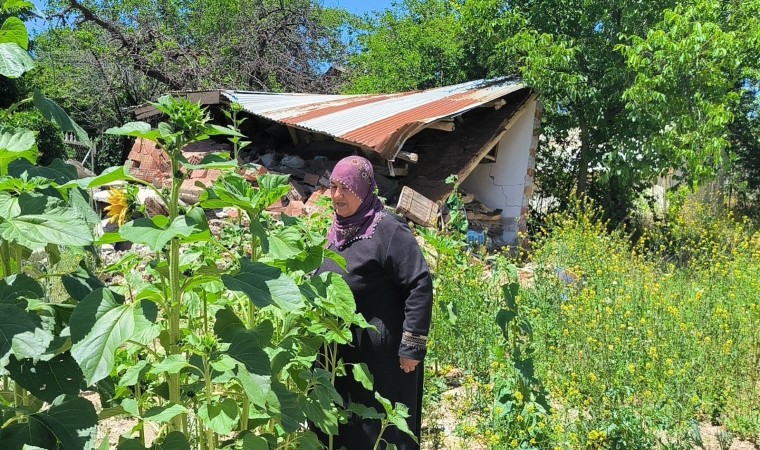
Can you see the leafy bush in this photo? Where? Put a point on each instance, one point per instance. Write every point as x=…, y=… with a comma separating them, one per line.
x=49, y=136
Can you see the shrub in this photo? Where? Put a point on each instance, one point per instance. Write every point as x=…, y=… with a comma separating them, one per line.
x=49, y=136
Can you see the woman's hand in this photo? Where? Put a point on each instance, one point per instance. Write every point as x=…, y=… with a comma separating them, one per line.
x=408, y=365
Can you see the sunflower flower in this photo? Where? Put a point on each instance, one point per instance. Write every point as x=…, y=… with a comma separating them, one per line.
x=117, y=206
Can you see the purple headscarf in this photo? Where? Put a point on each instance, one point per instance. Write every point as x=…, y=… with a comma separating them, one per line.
x=357, y=175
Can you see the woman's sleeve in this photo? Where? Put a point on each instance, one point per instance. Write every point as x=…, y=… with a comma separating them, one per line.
x=408, y=269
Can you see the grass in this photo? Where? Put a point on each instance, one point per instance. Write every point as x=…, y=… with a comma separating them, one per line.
x=635, y=343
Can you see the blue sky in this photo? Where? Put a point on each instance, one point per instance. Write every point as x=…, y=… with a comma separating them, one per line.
x=359, y=6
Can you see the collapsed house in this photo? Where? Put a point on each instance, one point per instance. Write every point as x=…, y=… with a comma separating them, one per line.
x=484, y=131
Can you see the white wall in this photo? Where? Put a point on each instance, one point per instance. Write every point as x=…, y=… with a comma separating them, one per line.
x=501, y=184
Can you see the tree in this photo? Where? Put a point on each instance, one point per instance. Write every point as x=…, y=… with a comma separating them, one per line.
x=628, y=76
x=414, y=45
x=694, y=71
x=99, y=58
x=203, y=44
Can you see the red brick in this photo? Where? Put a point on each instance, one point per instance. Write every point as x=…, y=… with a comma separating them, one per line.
x=294, y=208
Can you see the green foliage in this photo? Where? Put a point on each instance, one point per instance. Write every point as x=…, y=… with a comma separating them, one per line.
x=633, y=346
x=630, y=90
x=690, y=69
x=48, y=134
x=415, y=45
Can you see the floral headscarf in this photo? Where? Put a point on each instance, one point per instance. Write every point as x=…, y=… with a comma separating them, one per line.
x=357, y=175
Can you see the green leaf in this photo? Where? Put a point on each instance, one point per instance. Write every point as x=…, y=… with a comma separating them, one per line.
x=503, y=318
x=265, y=285
x=176, y=440
x=80, y=283
x=256, y=387
x=171, y=364
x=14, y=30
x=130, y=444
x=31, y=344
x=330, y=292
x=245, y=348
x=136, y=129
x=286, y=403
x=55, y=113
x=363, y=376
x=17, y=287
x=16, y=6
x=13, y=321
x=365, y=412
x=325, y=419
x=47, y=380
x=71, y=424
x=151, y=233
x=80, y=203
x=90, y=309
x=134, y=374
x=13, y=146
x=231, y=190
x=131, y=407
x=114, y=325
x=218, y=161
x=252, y=442
x=110, y=175
x=214, y=130
x=228, y=324
x=163, y=414
x=396, y=415
x=220, y=417
x=510, y=294
x=285, y=243
x=41, y=220
x=111, y=237
x=451, y=309
x=14, y=60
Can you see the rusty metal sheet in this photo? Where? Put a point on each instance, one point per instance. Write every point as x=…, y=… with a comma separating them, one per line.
x=382, y=122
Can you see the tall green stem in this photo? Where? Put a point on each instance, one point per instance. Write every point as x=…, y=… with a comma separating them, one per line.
x=5, y=258
x=13, y=107
x=380, y=436
x=175, y=303
x=210, y=442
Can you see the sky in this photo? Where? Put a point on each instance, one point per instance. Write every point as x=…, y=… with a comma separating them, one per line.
x=359, y=6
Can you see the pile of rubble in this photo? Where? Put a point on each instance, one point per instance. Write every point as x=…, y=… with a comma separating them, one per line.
x=309, y=180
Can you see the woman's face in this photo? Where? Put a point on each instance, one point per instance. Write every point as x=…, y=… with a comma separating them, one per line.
x=344, y=201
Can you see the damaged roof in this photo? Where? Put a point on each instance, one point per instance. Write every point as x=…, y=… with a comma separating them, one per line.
x=379, y=122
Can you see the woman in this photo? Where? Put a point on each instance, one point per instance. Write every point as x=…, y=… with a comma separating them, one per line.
x=393, y=291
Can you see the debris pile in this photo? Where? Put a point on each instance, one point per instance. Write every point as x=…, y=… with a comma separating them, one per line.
x=309, y=180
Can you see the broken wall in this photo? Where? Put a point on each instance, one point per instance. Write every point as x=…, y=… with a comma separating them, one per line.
x=503, y=184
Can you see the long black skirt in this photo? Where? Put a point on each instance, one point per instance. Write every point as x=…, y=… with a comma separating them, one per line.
x=391, y=382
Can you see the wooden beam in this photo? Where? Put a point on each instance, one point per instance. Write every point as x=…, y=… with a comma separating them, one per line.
x=211, y=97
x=407, y=156
x=443, y=126
x=467, y=170
x=496, y=104
x=390, y=170
x=293, y=135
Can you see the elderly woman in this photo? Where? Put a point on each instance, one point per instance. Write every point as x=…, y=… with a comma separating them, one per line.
x=393, y=290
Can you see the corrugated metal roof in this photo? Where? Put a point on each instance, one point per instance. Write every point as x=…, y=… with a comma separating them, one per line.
x=381, y=122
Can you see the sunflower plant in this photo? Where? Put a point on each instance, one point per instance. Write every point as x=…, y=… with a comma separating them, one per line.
x=220, y=348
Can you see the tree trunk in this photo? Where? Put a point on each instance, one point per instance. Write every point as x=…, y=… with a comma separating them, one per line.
x=583, y=162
